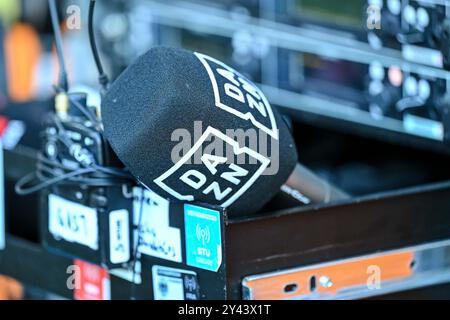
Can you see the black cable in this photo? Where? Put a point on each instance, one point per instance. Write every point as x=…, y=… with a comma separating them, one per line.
x=136, y=248
x=63, y=82
x=22, y=187
x=103, y=78
x=86, y=112
x=51, y=171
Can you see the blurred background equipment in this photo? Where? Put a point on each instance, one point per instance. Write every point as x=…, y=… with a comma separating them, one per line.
x=378, y=68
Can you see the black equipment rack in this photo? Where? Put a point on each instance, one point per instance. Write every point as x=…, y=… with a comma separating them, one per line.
x=276, y=242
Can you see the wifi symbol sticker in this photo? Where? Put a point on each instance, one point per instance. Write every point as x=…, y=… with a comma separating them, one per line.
x=203, y=237
x=203, y=234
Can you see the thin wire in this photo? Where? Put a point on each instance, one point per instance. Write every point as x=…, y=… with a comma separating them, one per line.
x=103, y=78
x=135, y=251
x=91, y=117
x=86, y=112
x=51, y=172
x=63, y=82
x=21, y=185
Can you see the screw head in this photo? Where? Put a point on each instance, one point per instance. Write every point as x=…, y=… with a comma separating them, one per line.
x=325, y=282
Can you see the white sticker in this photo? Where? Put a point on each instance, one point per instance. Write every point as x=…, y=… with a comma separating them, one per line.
x=2, y=201
x=119, y=236
x=174, y=284
x=157, y=237
x=72, y=222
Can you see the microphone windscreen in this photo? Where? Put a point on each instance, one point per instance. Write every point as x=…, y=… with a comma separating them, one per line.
x=190, y=128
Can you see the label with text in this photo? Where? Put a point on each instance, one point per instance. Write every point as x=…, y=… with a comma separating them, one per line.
x=119, y=236
x=203, y=238
x=156, y=237
x=72, y=222
x=174, y=284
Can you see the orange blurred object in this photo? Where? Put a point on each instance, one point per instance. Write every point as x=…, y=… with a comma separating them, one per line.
x=10, y=289
x=23, y=50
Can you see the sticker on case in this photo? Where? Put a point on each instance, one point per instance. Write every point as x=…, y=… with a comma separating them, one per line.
x=203, y=238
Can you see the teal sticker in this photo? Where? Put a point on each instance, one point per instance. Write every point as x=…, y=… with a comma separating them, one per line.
x=203, y=238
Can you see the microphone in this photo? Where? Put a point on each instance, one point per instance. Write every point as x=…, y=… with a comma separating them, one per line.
x=190, y=128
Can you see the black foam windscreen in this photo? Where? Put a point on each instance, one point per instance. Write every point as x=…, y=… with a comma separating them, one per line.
x=191, y=128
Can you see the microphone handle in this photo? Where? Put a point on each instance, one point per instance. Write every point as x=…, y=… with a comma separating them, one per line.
x=314, y=188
